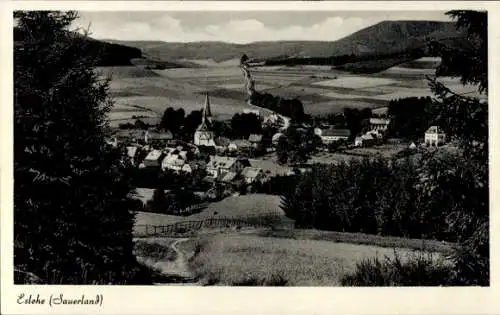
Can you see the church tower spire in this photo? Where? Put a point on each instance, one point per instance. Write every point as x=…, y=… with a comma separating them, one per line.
x=207, y=112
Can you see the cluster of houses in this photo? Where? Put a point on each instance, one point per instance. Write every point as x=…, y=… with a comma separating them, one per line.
x=433, y=137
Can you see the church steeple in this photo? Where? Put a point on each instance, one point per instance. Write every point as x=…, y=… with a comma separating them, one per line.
x=206, y=115
x=207, y=112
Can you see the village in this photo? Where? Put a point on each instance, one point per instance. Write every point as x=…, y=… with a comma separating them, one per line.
x=240, y=165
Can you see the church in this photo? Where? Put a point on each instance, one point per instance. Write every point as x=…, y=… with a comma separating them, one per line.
x=204, y=136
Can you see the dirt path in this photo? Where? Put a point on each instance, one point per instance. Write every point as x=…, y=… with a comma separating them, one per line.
x=177, y=270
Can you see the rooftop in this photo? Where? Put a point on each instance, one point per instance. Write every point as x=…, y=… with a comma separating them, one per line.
x=251, y=172
x=434, y=129
x=332, y=132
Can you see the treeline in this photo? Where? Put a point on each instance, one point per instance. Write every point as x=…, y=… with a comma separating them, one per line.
x=356, y=63
x=411, y=117
x=290, y=108
x=386, y=197
x=104, y=54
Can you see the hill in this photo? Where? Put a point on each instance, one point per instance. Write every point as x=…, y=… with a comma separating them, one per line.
x=114, y=54
x=382, y=38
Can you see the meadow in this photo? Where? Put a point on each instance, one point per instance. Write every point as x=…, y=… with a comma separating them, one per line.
x=147, y=93
x=238, y=259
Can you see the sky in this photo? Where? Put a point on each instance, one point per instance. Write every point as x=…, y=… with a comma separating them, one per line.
x=239, y=26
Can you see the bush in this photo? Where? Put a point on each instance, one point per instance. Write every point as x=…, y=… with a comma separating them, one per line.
x=419, y=270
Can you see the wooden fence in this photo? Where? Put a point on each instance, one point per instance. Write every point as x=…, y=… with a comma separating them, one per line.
x=196, y=225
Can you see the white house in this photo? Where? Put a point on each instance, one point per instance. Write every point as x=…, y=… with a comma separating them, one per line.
x=172, y=162
x=252, y=174
x=434, y=136
x=256, y=112
x=236, y=145
x=217, y=164
x=131, y=153
x=379, y=124
x=331, y=134
x=153, y=159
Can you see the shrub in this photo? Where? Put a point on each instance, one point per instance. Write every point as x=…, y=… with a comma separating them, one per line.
x=419, y=270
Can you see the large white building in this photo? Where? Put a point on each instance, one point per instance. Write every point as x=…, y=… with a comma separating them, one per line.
x=435, y=136
x=379, y=124
x=204, y=134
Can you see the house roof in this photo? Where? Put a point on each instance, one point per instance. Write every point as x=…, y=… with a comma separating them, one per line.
x=221, y=161
x=156, y=135
x=255, y=138
x=332, y=132
x=434, y=129
x=251, y=172
x=227, y=177
x=131, y=151
x=379, y=121
x=154, y=155
x=130, y=134
x=241, y=143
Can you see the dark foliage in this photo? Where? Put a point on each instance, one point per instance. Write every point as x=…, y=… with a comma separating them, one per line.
x=242, y=125
x=104, y=54
x=71, y=206
x=289, y=108
x=172, y=120
x=357, y=120
x=419, y=270
x=411, y=117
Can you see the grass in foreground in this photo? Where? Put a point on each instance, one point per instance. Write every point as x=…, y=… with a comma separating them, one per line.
x=361, y=239
x=235, y=259
x=420, y=270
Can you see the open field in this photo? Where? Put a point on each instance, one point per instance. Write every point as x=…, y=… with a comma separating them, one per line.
x=321, y=89
x=251, y=206
x=238, y=259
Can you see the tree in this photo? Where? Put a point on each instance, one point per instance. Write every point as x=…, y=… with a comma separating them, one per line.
x=72, y=223
x=282, y=150
x=242, y=125
x=192, y=121
x=172, y=120
x=467, y=176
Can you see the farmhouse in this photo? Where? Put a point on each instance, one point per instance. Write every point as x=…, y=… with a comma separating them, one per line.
x=132, y=153
x=172, y=162
x=255, y=140
x=221, y=143
x=256, y=112
x=204, y=135
x=252, y=174
x=157, y=138
x=218, y=164
x=129, y=136
x=379, y=124
x=227, y=178
x=153, y=159
x=331, y=134
x=435, y=136
x=236, y=145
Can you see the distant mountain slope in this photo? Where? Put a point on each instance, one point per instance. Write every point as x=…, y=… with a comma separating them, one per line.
x=113, y=54
x=384, y=37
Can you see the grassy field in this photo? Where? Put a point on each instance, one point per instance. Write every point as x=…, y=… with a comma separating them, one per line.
x=246, y=206
x=236, y=259
x=321, y=89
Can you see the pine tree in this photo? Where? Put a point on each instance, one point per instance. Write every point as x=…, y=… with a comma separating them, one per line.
x=466, y=177
x=71, y=191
